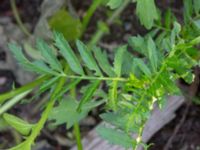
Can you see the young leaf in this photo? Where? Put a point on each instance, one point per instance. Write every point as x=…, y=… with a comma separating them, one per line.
x=87, y=57
x=67, y=106
x=112, y=95
x=68, y=53
x=88, y=94
x=114, y=3
x=142, y=66
x=147, y=13
x=65, y=23
x=119, y=60
x=20, y=125
x=152, y=54
x=117, y=119
x=196, y=6
x=115, y=137
x=168, y=83
x=102, y=59
x=138, y=44
x=40, y=67
x=17, y=52
x=175, y=32
x=48, y=55
x=37, y=66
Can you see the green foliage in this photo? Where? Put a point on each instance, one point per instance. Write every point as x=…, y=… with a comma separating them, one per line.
x=87, y=57
x=49, y=56
x=145, y=9
x=20, y=125
x=114, y=3
x=143, y=72
x=114, y=136
x=102, y=59
x=152, y=79
x=88, y=94
x=68, y=53
x=118, y=60
x=63, y=22
x=147, y=13
x=68, y=106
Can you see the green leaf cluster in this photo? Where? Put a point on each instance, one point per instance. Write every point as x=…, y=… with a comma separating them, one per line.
x=133, y=83
x=146, y=11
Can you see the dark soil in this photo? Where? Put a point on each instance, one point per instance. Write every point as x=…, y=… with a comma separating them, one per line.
x=187, y=138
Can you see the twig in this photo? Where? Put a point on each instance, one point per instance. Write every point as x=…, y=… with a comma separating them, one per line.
x=18, y=19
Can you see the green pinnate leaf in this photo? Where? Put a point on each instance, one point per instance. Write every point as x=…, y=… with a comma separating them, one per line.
x=49, y=55
x=114, y=3
x=87, y=57
x=20, y=125
x=175, y=33
x=152, y=54
x=168, y=83
x=40, y=67
x=142, y=66
x=68, y=107
x=102, y=59
x=17, y=52
x=68, y=53
x=37, y=66
x=114, y=136
x=119, y=60
x=138, y=44
x=147, y=13
x=112, y=95
x=118, y=119
x=88, y=94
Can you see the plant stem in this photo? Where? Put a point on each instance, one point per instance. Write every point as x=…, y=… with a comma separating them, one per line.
x=96, y=78
x=36, y=130
x=89, y=13
x=31, y=85
x=17, y=18
x=78, y=136
x=100, y=33
x=96, y=37
x=13, y=101
x=76, y=127
x=118, y=11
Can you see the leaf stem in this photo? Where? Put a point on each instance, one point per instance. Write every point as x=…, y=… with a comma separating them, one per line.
x=17, y=18
x=76, y=127
x=45, y=114
x=89, y=13
x=96, y=78
x=13, y=101
x=78, y=136
x=31, y=85
x=117, y=12
x=100, y=33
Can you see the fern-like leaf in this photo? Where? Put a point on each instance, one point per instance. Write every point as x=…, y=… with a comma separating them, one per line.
x=68, y=53
x=87, y=57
